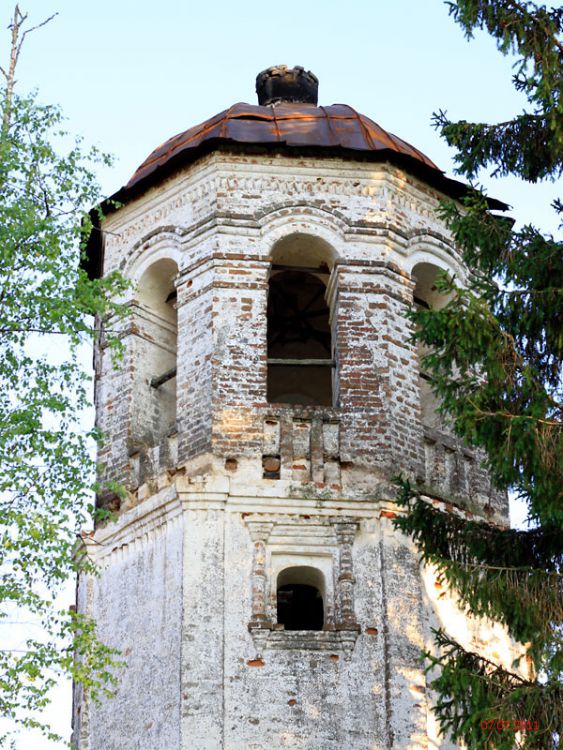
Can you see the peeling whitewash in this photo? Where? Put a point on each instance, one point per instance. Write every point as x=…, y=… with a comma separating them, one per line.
x=238, y=489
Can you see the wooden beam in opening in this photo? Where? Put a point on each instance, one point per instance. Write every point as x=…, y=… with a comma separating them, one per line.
x=421, y=303
x=161, y=379
x=307, y=269
x=300, y=362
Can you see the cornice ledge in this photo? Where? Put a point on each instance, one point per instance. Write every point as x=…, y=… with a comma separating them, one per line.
x=162, y=507
x=272, y=506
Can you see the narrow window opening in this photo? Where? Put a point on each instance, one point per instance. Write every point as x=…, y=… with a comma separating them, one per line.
x=164, y=377
x=155, y=354
x=300, y=607
x=300, y=358
x=300, y=604
x=426, y=296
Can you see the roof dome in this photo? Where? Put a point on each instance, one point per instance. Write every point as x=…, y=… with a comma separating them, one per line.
x=289, y=124
x=288, y=118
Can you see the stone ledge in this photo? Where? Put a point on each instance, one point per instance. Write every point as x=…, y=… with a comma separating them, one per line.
x=341, y=640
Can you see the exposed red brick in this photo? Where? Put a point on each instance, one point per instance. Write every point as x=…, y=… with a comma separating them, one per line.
x=255, y=662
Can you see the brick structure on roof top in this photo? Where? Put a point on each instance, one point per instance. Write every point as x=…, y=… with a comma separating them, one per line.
x=268, y=395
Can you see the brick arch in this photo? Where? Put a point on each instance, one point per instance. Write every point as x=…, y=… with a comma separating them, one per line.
x=317, y=223
x=427, y=248
x=424, y=272
x=156, y=282
x=153, y=347
x=303, y=249
x=161, y=246
x=307, y=574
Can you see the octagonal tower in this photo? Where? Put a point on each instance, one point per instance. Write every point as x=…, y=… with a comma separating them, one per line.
x=268, y=395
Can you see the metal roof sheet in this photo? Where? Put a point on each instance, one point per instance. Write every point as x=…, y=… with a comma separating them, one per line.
x=333, y=130
x=295, y=125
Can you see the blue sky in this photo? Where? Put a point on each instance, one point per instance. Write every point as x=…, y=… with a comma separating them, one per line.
x=128, y=75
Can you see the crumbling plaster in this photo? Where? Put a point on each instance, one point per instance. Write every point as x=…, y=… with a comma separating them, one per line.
x=188, y=570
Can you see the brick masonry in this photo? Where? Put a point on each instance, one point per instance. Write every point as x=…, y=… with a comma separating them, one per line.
x=239, y=489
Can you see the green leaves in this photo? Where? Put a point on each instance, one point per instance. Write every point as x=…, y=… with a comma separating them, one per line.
x=526, y=145
x=69, y=648
x=48, y=310
x=510, y=576
x=531, y=144
x=497, y=377
x=494, y=358
x=484, y=705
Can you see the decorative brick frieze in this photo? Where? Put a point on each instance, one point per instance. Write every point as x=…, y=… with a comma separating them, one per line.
x=305, y=443
x=454, y=472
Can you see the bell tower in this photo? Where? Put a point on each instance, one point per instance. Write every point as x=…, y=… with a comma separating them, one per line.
x=269, y=393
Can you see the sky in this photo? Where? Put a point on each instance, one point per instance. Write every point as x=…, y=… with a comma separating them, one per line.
x=128, y=75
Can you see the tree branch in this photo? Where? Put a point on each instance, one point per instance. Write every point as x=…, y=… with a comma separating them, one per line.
x=16, y=45
x=33, y=28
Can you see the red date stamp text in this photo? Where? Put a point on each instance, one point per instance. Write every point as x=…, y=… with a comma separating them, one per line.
x=510, y=725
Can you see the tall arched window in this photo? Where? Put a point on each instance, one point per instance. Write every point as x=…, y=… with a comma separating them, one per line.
x=426, y=295
x=300, y=598
x=154, y=397
x=300, y=356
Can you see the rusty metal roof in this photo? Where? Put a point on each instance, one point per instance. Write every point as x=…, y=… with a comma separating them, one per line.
x=303, y=127
x=294, y=125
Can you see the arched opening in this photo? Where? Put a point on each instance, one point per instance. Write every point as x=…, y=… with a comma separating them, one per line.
x=154, y=394
x=300, y=598
x=426, y=295
x=300, y=356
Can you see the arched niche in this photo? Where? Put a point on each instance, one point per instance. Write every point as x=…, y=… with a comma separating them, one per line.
x=426, y=295
x=155, y=355
x=299, y=338
x=300, y=598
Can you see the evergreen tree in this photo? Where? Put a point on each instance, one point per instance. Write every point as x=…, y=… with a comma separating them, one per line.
x=46, y=470
x=495, y=363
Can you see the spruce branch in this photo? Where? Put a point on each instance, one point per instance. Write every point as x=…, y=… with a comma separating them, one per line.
x=508, y=575
x=475, y=694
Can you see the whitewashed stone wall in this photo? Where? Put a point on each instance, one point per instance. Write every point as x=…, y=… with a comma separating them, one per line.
x=188, y=572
